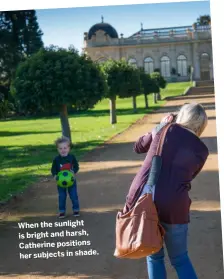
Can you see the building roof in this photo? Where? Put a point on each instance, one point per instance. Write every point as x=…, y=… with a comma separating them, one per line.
x=161, y=31
x=106, y=27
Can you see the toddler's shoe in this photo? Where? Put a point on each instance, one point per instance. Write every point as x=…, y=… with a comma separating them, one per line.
x=76, y=214
x=61, y=215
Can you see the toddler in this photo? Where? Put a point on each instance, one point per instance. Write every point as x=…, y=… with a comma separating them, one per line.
x=66, y=161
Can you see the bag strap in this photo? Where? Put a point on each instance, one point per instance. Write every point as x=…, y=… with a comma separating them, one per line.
x=162, y=138
x=150, y=186
x=157, y=163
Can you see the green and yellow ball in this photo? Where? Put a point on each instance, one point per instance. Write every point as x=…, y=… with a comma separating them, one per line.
x=65, y=179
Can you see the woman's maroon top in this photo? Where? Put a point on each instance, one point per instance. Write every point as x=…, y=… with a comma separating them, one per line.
x=183, y=155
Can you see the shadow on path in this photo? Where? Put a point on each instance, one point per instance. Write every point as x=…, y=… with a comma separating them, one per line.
x=105, y=265
x=103, y=182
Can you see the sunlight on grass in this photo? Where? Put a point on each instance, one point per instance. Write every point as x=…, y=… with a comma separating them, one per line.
x=27, y=148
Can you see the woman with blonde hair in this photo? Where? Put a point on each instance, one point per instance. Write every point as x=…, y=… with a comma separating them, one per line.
x=184, y=156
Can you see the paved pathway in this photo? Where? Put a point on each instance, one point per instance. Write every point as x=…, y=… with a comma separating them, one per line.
x=104, y=179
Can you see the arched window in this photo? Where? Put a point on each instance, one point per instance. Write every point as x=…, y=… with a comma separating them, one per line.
x=205, y=55
x=205, y=66
x=148, y=65
x=133, y=62
x=205, y=61
x=182, y=65
x=165, y=66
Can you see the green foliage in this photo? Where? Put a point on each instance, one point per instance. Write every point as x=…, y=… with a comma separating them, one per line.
x=4, y=89
x=132, y=82
x=20, y=32
x=123, y=80
x=159, y=80
x=20, y=36
x=5, y=107
x=56, y=76
x=32, y=34
x=148, y=84
x=203, y=20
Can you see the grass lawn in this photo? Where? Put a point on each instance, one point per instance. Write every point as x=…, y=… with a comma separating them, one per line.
x=26, y=146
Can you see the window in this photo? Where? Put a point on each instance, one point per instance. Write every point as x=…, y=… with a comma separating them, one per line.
x=205, y=55
x=205, y=66
x=148, y=65
x=132, y=61
x=165, y=66
x=204, y=61
x=182, y=65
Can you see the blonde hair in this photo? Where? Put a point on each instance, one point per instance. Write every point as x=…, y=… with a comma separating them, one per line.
x=193, y=117
x=62, y=140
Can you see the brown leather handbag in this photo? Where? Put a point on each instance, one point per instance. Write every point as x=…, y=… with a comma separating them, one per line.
x=138, y=232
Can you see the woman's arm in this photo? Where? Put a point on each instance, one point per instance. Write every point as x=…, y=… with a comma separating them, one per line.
x=143, y=144
x=201, y=164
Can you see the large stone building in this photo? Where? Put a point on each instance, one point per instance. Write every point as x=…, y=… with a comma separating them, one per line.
x=178, y=52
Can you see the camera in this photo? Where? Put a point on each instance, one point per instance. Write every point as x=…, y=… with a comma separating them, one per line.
x=174, y=117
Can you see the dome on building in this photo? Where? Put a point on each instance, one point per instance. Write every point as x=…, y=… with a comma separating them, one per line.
x=106, y=27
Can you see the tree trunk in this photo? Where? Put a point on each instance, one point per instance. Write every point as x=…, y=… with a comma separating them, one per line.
x=154, y=98
x=64, y=122
x=158, y=97
x=113, y=116
x=134, y=104
x=146, y=101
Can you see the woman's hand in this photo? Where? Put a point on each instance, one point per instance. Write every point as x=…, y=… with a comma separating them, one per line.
x=168, y=118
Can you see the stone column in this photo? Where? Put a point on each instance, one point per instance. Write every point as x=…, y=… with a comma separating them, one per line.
x=156, y=59
x=139, y=57
x=196, y=62
x=121, y=42
x=211, y=70
x=173, y=59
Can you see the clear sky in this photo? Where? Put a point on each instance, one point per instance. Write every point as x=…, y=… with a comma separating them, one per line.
x=63, y=27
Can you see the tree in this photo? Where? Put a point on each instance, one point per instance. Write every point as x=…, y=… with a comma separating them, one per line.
x=132, y=84
x=9, y=43
x=149, y=86
x=58, y=78
x=113, y=73
x=120, y=77
x=20, y=36
x=32, y=35
x=203, y=20
x=20, y=29
x=5, y=106
x=160, y=82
